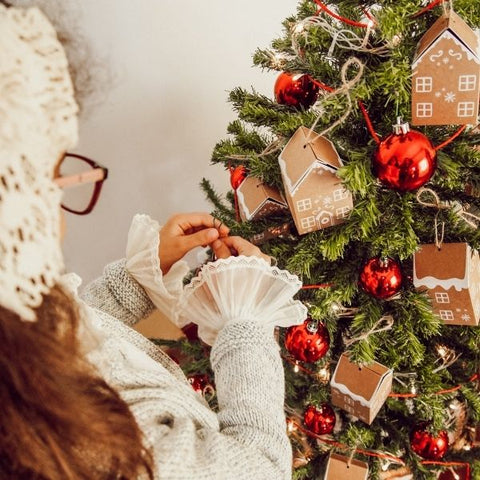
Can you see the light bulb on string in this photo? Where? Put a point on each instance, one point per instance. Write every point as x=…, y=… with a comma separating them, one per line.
x=323, y=374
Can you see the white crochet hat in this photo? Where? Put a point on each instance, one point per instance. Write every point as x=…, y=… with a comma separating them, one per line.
x=38, y=122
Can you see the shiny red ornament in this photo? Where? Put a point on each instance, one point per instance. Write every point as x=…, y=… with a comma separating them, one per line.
x=428, y=446
x=381, y=277
x=405, y=160
x=307, y=342
x=237, y=176
x=200, y=382
x=296, y=90
x=320, y=420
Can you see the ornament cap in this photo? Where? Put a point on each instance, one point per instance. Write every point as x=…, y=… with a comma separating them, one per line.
x=401, y=127
x=312, y=326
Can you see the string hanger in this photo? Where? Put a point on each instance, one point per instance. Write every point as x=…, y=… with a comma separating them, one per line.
x=381, y=325
x=469, y=218
x=344, y=89
x=343, y=38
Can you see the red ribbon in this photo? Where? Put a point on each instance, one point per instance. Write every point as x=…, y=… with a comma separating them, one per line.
x=377, y=140
x=451, y=464
x=339, y=17
x=316, y=287
x=431, y=5
x=370, y=453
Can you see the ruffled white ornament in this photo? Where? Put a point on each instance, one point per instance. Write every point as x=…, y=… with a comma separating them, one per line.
x=38, y=123
x=238, y=289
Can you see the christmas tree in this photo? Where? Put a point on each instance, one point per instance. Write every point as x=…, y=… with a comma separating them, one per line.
x=361, y=175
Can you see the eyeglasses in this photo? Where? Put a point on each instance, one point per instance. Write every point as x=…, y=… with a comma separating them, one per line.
x=84, y=174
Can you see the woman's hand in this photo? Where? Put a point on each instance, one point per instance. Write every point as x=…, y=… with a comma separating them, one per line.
x=184, y=232
x=228, y=246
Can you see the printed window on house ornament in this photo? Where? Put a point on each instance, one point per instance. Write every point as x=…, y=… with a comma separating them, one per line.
x=424, y=84
x=465, y=109
x=308, y=222
x=467, y=82
x=343, y=212
x=339, y=194
x=304, y=205
x=424, y=109
x=441, y=297
x=446, y=314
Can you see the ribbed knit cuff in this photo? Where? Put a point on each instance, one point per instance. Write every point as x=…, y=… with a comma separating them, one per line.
x=127, y=291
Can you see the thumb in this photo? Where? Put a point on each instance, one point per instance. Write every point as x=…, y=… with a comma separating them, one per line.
x=220, y=249
x=199, y=239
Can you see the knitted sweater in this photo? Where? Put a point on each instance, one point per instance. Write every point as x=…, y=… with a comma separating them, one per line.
x=246, y=439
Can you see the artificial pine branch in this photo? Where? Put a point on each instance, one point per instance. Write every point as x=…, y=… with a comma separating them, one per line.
x=383, y=222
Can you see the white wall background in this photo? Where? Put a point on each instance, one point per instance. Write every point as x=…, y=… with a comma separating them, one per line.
x=173, y=64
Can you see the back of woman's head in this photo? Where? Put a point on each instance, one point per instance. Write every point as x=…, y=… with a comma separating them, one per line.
x=59, y=419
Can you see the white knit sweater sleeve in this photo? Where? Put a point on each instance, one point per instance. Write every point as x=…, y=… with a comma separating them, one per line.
x=118, y=294
x=245, y=440
x=250, y=439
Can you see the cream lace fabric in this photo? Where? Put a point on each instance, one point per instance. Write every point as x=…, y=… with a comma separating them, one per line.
x=238, y=289
x=38, y=122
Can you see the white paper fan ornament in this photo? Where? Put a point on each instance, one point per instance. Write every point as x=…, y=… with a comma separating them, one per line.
x=239, y=289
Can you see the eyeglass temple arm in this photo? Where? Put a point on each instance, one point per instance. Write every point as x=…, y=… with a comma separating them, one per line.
x=92, y=176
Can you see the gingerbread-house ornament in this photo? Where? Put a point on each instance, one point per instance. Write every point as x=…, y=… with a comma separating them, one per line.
x=340, y=467
x=279, y=231
x=257, y=200
x=446, y=74
x=451, y=276
x=360, y=390
x=315, y=194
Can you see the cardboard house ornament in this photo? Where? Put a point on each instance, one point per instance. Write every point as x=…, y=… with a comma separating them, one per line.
x=446, y=74
x=451, y=276
x=360, y=390
x=257, y=200
x=345, y=468
x=269, y=233
x=315, y=194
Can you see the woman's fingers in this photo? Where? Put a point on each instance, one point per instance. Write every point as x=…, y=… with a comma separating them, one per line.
x=184, y=232
x=220, y=249
x=225, y=247
x=188, y=223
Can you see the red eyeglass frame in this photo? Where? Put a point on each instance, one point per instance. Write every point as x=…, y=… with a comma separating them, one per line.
x=98, y=174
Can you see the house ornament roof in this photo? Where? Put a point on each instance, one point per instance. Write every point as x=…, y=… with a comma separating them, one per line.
x=451, y=26
x=253, y=194
x=305, y=152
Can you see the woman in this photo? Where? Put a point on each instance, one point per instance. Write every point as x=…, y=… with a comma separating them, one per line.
x=84, y=396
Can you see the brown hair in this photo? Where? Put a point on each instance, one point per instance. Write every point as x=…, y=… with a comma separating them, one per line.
x=59, y=420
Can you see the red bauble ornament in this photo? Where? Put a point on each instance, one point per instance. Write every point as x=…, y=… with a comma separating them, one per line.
x=381, y=277
x=405, y=160
x=307, y=342
x=237, y=176
x=320, y=420
x=296, y=90
x=200, y=383
x=428, y=446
